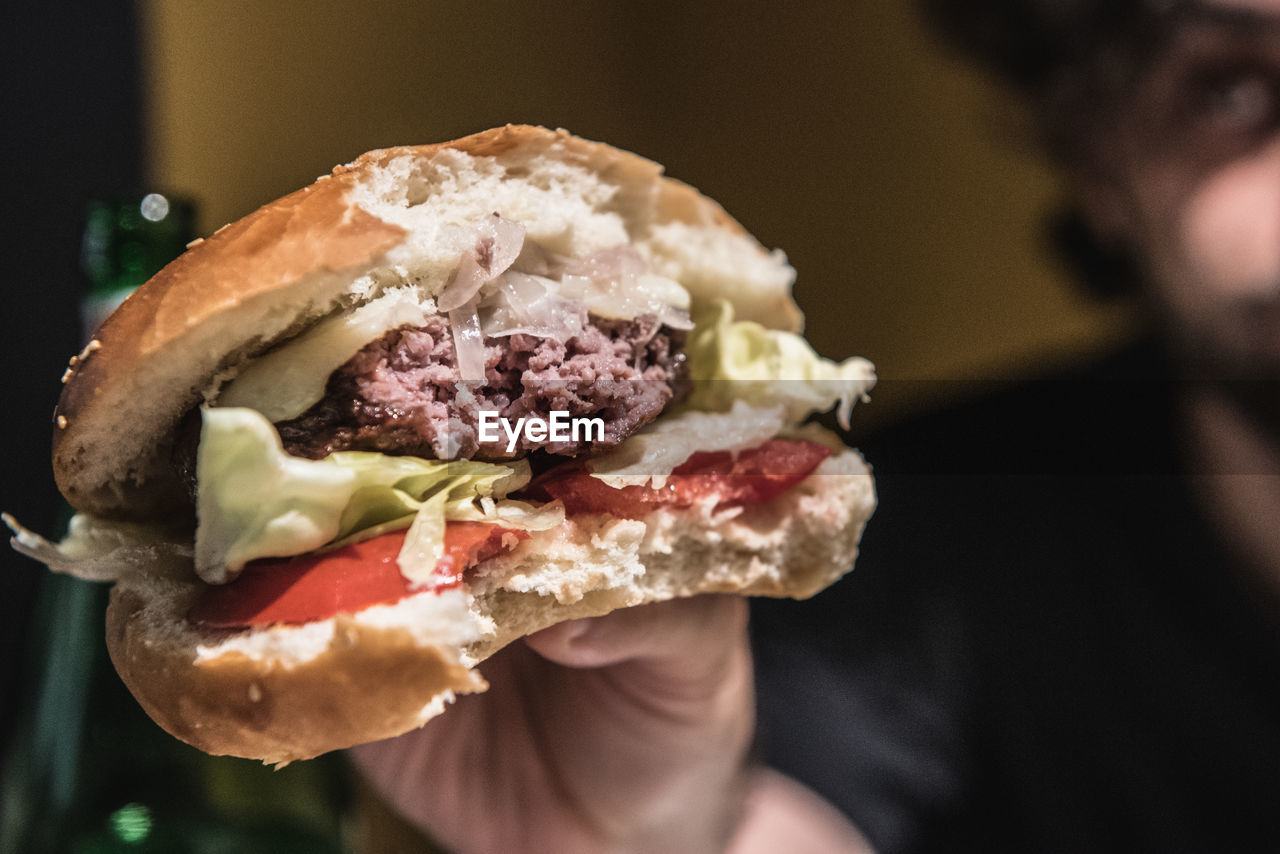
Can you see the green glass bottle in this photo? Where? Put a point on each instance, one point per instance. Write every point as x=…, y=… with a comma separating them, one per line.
x=126, y=241
x=89, y=772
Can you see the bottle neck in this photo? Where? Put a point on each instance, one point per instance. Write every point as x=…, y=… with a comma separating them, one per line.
x=127, y=240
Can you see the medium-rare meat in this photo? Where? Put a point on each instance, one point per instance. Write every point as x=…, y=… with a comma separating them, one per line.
x=400, y=393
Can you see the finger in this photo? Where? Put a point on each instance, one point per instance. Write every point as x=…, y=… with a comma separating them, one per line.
x=703, y=629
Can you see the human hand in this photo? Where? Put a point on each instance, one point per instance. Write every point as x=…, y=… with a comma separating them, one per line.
x=627, y=732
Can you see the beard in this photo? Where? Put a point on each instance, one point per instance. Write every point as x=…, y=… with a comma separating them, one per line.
x=1233, y=351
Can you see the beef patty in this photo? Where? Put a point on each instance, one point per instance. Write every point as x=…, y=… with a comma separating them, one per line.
x=400, y=394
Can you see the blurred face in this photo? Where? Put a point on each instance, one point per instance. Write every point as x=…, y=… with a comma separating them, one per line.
x=1192, y=179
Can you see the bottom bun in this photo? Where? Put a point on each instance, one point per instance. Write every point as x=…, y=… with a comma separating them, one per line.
x=294, y=692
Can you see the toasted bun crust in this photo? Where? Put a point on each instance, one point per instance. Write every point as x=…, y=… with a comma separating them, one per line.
x=360, y=688
x=380, y=220
x=289, y=693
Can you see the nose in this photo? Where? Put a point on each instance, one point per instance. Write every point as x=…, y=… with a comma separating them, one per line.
x=1231, y=225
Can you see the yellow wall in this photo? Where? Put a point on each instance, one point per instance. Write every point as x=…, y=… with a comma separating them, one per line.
x=833, y=130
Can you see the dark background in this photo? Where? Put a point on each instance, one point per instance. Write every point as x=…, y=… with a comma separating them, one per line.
x=74, y=130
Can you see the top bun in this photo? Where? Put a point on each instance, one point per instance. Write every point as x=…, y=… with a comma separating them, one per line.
x=393, y=215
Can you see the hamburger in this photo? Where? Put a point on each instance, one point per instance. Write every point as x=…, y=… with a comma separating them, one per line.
x=346, y=448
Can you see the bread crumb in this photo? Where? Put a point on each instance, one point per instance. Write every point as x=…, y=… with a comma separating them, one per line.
x=66, y=375
x=195, y=242
x=255, y=693
x=62, y=422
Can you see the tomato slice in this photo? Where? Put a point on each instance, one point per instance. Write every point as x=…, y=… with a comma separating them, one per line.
x=754, y=476
x=318, y=586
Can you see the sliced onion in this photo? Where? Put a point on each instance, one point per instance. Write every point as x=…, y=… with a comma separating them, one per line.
x=424, y=542
x=676, y=318
x=520, y=292
x=615, y=283
x=537, y=260
x=468, y=342
x=530, y=305
x=575, y=287
x=616, y=262
x=620, y=301
x=508, y=303
x=516, y=514
x=649, y=457
x=467, y=278
x=508, y=241
x=498, y=244
x=537, y=292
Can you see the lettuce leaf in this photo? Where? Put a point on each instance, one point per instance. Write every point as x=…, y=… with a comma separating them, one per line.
x=743, y=361
x=104, y=550
x=256, y=501
x=649, y=457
